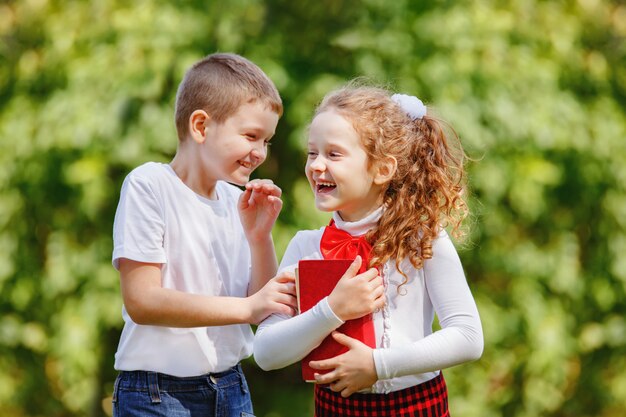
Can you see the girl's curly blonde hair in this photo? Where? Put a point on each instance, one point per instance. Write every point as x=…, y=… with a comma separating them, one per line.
x=426, y=194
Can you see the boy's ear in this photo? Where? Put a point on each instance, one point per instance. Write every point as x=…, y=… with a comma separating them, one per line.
x=198, y=122
x=385, y=169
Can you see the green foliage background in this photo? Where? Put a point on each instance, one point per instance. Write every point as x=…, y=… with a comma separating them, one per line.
x=536, y=90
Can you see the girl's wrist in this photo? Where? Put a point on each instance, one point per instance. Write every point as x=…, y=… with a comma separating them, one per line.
x=335, y=307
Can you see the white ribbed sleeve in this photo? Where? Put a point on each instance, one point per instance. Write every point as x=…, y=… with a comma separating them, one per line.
x=279, y=342
x=461, y=337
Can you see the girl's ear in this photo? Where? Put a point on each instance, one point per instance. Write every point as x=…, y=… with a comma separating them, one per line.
x=198, y=122
x=385, y=170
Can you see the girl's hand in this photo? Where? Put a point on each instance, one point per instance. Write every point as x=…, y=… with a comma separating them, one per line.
x=277, y=296
x=258, y=207
x=354, y=295
x=351, y=371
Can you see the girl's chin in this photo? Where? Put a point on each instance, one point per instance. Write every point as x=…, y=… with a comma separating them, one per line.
x=324, y=207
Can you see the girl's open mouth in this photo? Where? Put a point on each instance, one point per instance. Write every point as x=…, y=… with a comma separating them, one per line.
x=325, y=187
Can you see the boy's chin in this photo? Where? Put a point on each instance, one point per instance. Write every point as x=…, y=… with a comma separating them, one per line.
x=239, y=180
x=238, y=183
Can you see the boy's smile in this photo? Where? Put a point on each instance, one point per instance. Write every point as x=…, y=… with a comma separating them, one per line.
x=239, y=145
x=337, y=168
x=228, y=151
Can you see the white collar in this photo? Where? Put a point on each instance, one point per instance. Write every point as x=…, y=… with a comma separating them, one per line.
x=359, y=227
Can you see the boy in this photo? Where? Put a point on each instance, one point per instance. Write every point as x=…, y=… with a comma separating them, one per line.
x=195, y=253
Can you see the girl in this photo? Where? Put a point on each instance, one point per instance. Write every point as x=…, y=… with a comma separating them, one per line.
x=393, y=181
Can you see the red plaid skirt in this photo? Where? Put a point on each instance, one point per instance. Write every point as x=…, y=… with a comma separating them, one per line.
x=429, y=399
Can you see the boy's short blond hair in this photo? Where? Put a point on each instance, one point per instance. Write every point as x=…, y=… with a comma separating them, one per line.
x=219, y=84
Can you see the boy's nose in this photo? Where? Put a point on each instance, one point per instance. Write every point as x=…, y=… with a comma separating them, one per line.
x=259, y=152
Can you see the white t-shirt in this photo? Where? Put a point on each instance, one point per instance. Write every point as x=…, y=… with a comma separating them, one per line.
x=408, y=351
x=203, y=250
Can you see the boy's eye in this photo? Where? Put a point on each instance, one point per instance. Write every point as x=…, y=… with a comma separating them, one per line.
x=311, y=153
x=267, y=142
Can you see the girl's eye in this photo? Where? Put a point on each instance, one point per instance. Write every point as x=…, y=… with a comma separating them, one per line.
x=311, y=154
x=251, y=136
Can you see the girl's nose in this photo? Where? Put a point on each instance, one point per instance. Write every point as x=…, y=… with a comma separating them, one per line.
x=317, y=164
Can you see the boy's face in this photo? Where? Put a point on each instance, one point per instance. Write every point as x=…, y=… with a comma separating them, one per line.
x=236, y=147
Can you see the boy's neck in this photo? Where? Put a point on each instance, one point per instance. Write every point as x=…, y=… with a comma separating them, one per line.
x=192, y=175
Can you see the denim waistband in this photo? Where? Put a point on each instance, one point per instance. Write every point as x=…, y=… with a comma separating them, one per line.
x=143, y=380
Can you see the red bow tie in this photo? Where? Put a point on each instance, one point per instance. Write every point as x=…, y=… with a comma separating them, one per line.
x=339, y=244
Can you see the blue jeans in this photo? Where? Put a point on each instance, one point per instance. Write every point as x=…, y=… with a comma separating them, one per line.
x=152, y=394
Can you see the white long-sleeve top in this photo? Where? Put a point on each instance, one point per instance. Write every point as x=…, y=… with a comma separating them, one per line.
x=407, y=351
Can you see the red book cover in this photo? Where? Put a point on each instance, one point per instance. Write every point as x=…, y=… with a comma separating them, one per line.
x=316, y=278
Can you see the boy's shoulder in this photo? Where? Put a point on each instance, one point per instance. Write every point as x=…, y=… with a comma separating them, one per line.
x=153, y=176
x=149, y=170
x=154, y=172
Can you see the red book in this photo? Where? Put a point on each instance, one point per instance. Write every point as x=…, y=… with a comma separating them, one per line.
x=315, y=279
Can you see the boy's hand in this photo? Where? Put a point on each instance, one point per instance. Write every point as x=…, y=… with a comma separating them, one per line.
x=357, y=295
x=351, y=371
x=258, y=207
x=277, y=296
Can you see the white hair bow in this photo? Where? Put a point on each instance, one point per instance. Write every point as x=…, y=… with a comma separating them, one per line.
x=411, y=105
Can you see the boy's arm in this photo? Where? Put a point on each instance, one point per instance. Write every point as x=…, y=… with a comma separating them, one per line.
x=264, y=264
x=148, y=303
x=259, y=206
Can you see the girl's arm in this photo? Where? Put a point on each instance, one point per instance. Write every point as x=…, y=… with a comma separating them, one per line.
x=281, y=341
x=461, y=337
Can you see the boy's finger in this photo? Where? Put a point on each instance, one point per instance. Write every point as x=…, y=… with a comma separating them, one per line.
x=277, y=203
x=290, y=289
x=288, y=300
x=285, y=309
x=272, y=189
x=286, y=277
x=244, y=199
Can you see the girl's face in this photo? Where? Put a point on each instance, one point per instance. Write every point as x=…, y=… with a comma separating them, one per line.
x=337, y=169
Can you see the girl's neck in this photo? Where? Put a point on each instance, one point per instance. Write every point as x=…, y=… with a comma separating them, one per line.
x=361, y=226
